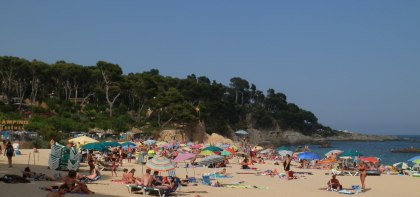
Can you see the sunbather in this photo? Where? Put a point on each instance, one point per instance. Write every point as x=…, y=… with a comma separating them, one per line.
x=333, y=183
x=244, y=164
x=74, y=185
x=63, y=189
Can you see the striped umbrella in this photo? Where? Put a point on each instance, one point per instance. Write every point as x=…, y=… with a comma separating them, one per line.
x=160, y=164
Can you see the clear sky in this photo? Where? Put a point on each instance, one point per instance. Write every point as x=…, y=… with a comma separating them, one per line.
x=354, y=64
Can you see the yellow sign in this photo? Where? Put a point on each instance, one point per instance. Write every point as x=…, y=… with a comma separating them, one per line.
x=14, y=125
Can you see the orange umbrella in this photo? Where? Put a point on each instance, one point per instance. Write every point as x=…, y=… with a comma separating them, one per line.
x=230, y=150
x=369, y=159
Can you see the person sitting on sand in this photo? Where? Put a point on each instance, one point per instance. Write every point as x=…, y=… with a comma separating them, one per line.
x=63, y=189
x=333, y=183
x=74, y=185
x=244, y=164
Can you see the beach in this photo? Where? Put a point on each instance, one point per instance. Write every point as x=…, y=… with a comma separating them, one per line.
x=305, y=184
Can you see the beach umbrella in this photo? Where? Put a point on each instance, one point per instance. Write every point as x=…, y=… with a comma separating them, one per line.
x=225, y=153
x=196, y=146
x=110, y=144
x=400, y=165
x=128, y=144
x=149, y=142
x=211, y=160
x=94, y=146
x=350, y=153
x=182, y=145
x=369, y=159
x=207, y=152
x=83, y=140
x=331, y=152
x=285, y=152
x=232, y=152
x=308, y=156
x=234, y=148
x=417, y=161
x=241, y=132
x=160, y=164
x=183, y=157
x=282, y=148
x=414, y=158
x=223, y=146
x=213, y=148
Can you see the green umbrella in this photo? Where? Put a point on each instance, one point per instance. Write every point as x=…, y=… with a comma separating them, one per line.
x=225, y=153
x=94, y=146
x=213, y=148
x=128, y=144
x=111, y=144
x=351, y=153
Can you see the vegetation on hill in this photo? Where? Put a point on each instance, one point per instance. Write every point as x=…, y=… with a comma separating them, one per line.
x=70, y=97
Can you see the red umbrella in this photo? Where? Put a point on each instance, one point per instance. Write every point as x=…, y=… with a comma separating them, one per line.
x=369, y=159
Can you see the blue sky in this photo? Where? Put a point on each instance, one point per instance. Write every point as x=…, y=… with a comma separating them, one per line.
x=355, y=64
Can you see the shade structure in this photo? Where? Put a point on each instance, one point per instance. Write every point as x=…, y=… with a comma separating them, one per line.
x=128, y=144
x=160, y=164
x=417, y=161
x=333, y=152
x=207, y=152
x=369, y=159
x=414, y=158
x=350, y=153
x=213, y=148
x=400, y=165
x=211, y=160
x=110, y=144
x=149, y=142
x=225, y=153
x=285, y=152
x=232, y=152
x=308, y=156
x=241, y=132
x=83, y=140
x=183, y=157
x=94, y=146
x=282, y=148
x=196, y=146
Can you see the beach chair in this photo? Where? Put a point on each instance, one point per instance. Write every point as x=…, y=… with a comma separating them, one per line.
x=206, y=180
x=336, y=172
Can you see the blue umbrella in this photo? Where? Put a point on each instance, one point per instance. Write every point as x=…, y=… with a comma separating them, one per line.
x=308, y=156
x=414, y=158
x=128, y=144
x=150, y=142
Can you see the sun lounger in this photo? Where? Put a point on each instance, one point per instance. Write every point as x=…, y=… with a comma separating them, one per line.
x=161, y=191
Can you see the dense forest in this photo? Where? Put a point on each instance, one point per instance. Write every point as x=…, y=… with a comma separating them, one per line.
x=69, y=97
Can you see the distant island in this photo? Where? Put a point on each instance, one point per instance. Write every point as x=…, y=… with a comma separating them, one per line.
x=407, y=150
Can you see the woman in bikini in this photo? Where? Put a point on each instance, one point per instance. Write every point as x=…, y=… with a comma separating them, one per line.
x=362, y=170
x=74, y=185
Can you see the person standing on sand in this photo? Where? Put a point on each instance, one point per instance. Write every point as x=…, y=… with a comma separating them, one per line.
x=286, y=165
x=9, y=152
x=362, y=167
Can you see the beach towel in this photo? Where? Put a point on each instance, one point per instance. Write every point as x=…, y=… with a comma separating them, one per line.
x=345, y=191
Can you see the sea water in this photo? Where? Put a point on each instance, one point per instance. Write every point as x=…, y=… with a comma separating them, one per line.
x=376, y=149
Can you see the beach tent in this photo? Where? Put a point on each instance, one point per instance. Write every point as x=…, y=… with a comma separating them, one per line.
x=83, y=140
x=64, y=158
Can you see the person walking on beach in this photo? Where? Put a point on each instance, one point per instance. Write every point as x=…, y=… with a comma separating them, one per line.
x=9, y=152
x=362, y=170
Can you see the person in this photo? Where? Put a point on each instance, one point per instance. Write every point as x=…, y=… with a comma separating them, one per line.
x=362, y=170
x=146, y=180
x=63, y=189
x=157, y=180
x=91, y=161
x=286, y=165
x=74, y=185
x=223, y=172
x=333, y=183
x=244, y=164
x=129, y=154
x=175, y=154
x=120, y=153
x=27, y=173
x=114, y=167
x=52, y=142
x=9, y=152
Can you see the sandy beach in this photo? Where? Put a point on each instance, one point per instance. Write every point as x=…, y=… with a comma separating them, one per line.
x=313, y=185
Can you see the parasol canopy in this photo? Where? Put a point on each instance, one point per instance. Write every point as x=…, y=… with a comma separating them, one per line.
x=211, y=160
x=128, y=144
x=350, y=153
x=213, y=148
x=94, y=146
x=331, y=152
x=149, y=142
x=83, y=140
x=308, y=156
x=241, y=132
x=160, y=164
x=183, y=157
x=369, y=159
x=207, y=152
x=225, y=153
x=110, y=144
x=415, y=159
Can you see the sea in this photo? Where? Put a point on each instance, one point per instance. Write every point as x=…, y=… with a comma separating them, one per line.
x=376, y=149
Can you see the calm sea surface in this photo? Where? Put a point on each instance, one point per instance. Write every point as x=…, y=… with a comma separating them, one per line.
x=377, y=149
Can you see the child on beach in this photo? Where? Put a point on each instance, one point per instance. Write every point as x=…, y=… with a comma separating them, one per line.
x=114, y=167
